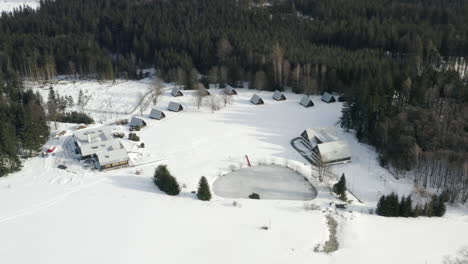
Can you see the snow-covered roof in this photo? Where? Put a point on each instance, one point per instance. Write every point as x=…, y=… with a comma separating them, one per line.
x=94, y=148
x=256, y=99
x=113, y=156
x=334, y=151
x=176, y=92
x=326, y=97
x=279, y=96
x=306, y=101
x=93, y=135
x=230, y=90
x=136, y=122
x=173, y=106
x=321, y=135
x=156, y=114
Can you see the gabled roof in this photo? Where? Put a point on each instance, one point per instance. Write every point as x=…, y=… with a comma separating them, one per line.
x=230, y=90
x=279, y=96
x=334, y=151
x=173, y=106
x=328, y=98
x=256, y=99
x=137, y=122
x=306, y=101
x=156, y=114
x=176, y=92
x=113, y=156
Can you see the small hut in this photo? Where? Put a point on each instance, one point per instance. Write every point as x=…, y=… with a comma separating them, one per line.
x=279, y=96
x=328, y=98
x=256, y=100
x=175, y=107
x=176, y=92
x=306, y=101
x=157, y=114
x=230, y=91
x=137, y=123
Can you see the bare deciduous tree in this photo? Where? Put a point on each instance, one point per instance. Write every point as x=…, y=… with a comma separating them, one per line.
x=156, y=90
x=226, y=98
x=214, y=102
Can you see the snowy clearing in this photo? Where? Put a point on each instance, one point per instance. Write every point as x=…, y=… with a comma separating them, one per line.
x=10, y=5
x=80, y=215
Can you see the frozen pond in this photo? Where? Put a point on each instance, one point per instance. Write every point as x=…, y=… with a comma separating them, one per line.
x=269, y=181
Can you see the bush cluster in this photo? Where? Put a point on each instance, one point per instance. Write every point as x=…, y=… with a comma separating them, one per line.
x=75, y=118
x=165, y=181
x=133, y=137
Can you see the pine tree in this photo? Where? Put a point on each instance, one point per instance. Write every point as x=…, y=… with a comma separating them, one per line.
x=203, y=192
x=382, y=206
x=165, y=181
x=340, y=188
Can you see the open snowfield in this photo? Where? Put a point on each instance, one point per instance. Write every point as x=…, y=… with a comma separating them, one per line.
x=10, y=5
x=79, y=215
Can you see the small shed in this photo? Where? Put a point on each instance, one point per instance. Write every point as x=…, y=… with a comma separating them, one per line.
x=157, y=114
x=175, y=107
x=176, y=92
x=137, y=122
x=279, y=96
x=230, y=91
x=256, y=100
x=306, y=101
x=328, y=98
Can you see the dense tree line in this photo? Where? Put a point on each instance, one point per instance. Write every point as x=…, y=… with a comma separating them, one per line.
x=23, y=128
x=390, y=205
x=393, y=60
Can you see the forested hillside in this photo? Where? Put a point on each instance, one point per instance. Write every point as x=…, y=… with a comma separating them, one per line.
x=393, y=60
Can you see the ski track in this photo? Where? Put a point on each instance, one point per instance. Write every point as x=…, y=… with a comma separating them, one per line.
x=49, y=203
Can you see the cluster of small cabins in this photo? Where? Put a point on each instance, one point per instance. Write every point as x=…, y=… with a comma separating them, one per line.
x=100, y=145
x=107, y=152
x=305, y=101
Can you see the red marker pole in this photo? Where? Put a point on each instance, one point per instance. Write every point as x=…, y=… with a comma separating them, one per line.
x=248, y=161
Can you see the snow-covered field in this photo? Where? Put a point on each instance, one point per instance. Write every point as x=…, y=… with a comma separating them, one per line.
x=10, y=5
x=79, y=215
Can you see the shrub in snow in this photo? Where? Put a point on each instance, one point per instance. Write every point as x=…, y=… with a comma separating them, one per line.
x=311, y=206
x=119, y=135
x=254, y=196
x=203, y=192
x=133, y=137
x=121, y=122
x=142, y=145
x=165, y=181
x=340, y=188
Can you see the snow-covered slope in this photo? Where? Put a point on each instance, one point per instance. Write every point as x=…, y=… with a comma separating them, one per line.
x=10, y=5
x=84, y=216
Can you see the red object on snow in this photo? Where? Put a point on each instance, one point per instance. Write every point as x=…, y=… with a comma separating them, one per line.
x=248, y=161
x=52, y=149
